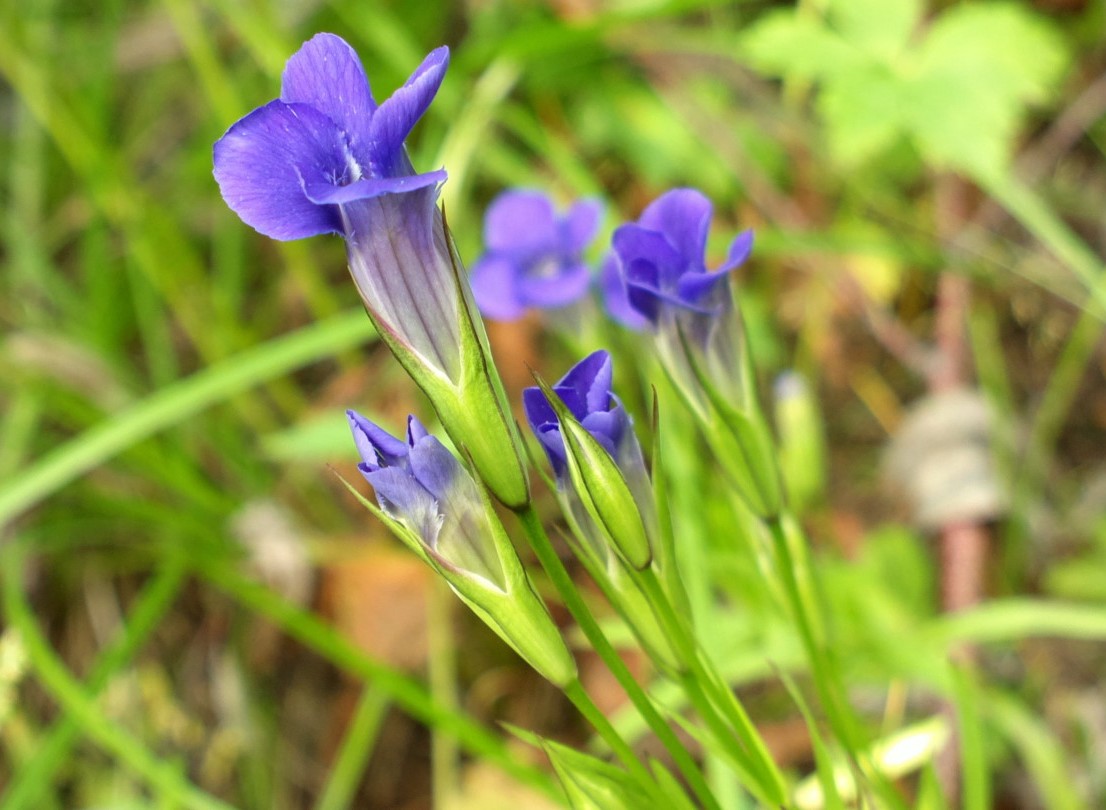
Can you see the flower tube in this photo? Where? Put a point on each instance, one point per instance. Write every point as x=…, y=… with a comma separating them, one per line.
x=326, y=158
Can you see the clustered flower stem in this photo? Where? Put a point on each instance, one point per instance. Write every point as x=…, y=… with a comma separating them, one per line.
x=714, y=700
x=562, y=581
x=576, y=693
x=828, y=682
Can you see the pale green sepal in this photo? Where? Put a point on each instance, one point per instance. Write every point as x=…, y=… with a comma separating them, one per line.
x=473, y=409
x=622, y=590
x=675, y=797
x=741, y=439
x=516, y=614
x=601, y=486
x=592, y=784
x=484, y=422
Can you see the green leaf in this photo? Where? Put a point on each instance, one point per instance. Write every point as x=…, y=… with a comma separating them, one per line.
x=1006, y=47
x=863, y=112
x=973, y=80
x=881, y=28
x=783, y=43
x=959, y=122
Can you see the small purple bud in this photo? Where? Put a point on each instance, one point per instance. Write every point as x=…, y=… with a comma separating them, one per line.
x=420, y=484
x=435, y=507
x=590, y=441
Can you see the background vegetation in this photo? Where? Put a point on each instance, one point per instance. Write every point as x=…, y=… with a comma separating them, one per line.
x=196, y=613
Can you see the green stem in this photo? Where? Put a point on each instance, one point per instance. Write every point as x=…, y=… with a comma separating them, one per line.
x=357, y=747
x=575, y=692
x=557, y=573
x=759, y=769
x=827, y=676
x=1056, y=402
x=827, y=680
x=74, y=701
x=442, y=670
x=1039, y=219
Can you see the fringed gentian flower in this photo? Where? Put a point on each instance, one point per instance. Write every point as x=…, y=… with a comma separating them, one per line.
x=430, y=502
x=534, y=258
x=662, y=272
x=613, y=284
x=605, y=491
x=659, y=274
x=326, y=158
x=590, y=441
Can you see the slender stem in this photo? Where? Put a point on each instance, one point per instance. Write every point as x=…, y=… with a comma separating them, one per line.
x=357, y=746
x=963, y=543
x=760, y=769
x=827, y=679
x=575, y=692
x=557, y=573
x=735, y=756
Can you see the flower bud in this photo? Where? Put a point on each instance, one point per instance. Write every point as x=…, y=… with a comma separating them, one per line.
x=428, y=499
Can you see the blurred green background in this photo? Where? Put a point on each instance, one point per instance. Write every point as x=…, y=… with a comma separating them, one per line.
x=194, y=609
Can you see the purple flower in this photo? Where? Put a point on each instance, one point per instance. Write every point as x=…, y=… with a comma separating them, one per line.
x=420, y=484
x=613, y=284
x=326, y=158
x=586, y=391
x=699, y=337
x=436, y=508
x=534, y=258
x=659, y=274
x=600, y=470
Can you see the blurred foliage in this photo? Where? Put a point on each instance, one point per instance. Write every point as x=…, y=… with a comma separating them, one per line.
x=167, y=368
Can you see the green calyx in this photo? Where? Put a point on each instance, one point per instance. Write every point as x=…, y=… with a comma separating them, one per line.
x=601, y=487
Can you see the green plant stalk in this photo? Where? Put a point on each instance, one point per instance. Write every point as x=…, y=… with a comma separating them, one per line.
x=1015, y=619
x=357, y=747
x=31, y=778
x=576, y=693
x=1056, y=402
x=75, y=701
x=177, y=402
x=408, y=693
x=547, y=556
x=827, y=679
x=975, y=781
x=720, y=698
x=1042, y=753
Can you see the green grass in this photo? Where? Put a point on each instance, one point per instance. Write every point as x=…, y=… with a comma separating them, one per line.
x=166, y=367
